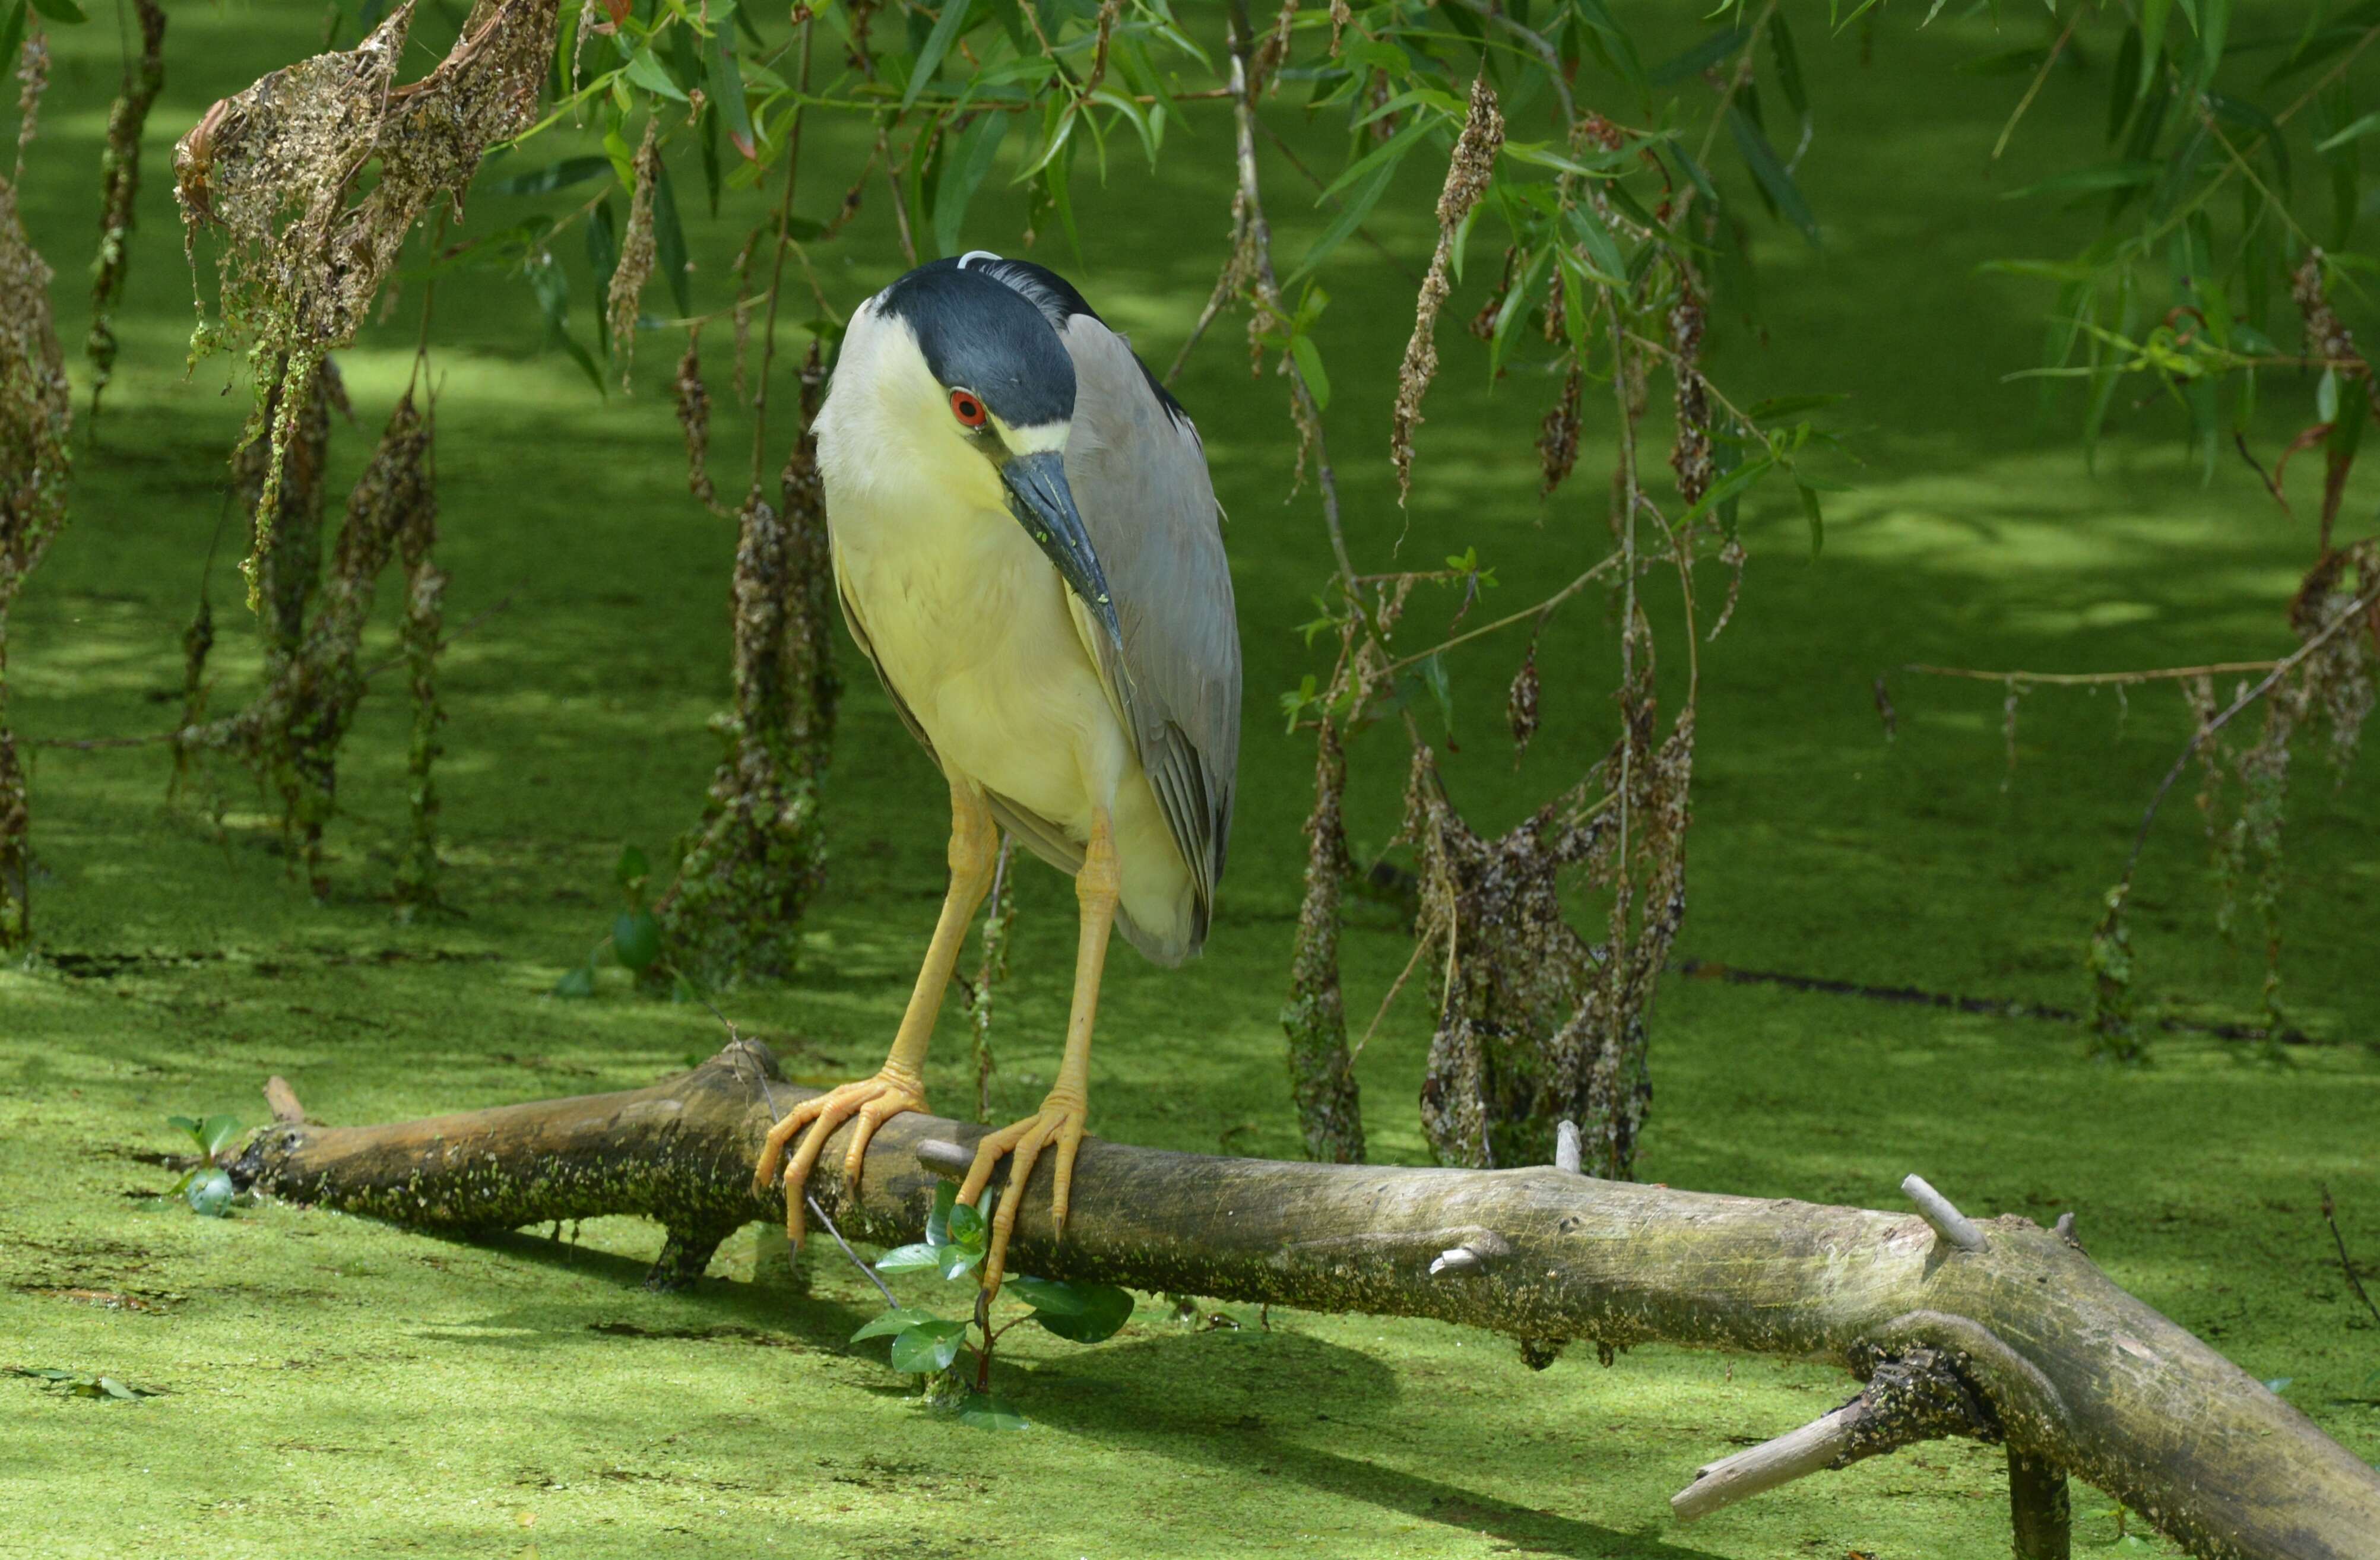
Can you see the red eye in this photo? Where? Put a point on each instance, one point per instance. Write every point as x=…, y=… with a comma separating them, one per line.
x=967, y=410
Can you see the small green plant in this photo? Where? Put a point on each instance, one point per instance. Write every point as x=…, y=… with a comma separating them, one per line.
x=78, y=1383
x=207, y=1187
x=927, y=1345
x=635, y=938
x=2124, y=1540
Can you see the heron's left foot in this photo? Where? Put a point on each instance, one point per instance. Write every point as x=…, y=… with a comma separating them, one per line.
x=870, y=1102
x=1057, y=1126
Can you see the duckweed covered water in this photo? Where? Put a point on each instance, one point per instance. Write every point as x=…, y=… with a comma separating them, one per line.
x=336, y=1387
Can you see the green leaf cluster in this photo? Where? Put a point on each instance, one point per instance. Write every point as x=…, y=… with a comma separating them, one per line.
x=926, y=1344
x=207, y=1187
x=80, y=1383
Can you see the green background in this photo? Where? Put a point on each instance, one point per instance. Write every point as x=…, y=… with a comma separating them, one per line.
x=336, y=1387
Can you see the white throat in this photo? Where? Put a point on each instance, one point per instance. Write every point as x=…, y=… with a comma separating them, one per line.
x=886, y=439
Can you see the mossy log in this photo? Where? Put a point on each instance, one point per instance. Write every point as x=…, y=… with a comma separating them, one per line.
x=1994, y=1329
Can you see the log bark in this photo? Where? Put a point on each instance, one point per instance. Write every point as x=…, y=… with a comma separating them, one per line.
x=2068, y=1370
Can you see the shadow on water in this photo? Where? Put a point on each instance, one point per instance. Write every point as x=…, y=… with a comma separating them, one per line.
x=1246, y=1404
x=715, y=1309
x=1219, y=1398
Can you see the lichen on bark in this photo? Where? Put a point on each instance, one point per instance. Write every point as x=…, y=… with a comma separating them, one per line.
x=747, y=871
x=36, y=418
x=1513, y=975
x=286, y=552
x=1322, y=1081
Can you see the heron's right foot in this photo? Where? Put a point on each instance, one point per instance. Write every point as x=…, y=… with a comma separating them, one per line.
x=870, y=1103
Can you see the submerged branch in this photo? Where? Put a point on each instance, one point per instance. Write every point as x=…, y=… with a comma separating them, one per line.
x=2042, y=1349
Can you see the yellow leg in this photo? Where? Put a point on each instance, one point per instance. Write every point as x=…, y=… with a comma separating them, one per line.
x=901, y=1085
x=1059, y=1122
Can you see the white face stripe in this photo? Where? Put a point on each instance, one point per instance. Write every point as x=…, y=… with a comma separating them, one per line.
x=1039, y=439
x=975, y=255
x=882, y=363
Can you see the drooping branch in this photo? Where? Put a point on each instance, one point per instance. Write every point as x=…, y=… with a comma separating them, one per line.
x=314, y=176
x=119, y=173
x=747, y=871
x=2024, y=1341
x=422, y=636
x=36, y=417
x=1321, y=1069
x=292, y=731
x=2356, y=615
x=1322, y=1078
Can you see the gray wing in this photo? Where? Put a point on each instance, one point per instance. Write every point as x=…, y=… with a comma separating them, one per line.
x=1139, y=477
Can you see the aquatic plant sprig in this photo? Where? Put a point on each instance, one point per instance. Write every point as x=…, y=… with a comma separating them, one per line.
x=929, y=1345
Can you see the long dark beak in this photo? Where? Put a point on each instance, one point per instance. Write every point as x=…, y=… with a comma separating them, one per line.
x=1044, y=505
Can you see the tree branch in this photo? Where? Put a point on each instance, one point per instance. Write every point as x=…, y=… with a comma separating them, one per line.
x=1916, y=1397
x=2049, y=1354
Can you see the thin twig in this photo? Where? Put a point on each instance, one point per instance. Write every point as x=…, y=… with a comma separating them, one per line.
x=1258, y=238
x=2034, y=91
x=1225, y=287
x=93, y=745
x=1244, y=111
x=2094, y=679
x=826, y=1220
x=1421, y=946
x=2330, y=1217
x=2182, y=212
x=1542, y=607
x=777, y=277
x=1546, y=54
x=502, y=604
x=1736, y=82
x=900, y=206
x=1289, y=155
x=2272, y=202
x=1107, y=20
x=1628, y=411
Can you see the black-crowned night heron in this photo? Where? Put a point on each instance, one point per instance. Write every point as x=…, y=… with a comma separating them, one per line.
x=1030, y=554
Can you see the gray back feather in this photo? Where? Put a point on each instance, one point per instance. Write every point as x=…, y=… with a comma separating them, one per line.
x=1139, y=479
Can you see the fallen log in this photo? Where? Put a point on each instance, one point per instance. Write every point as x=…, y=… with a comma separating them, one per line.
x=1996, y=1328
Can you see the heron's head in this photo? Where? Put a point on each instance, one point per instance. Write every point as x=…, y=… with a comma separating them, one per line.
x=961, y=365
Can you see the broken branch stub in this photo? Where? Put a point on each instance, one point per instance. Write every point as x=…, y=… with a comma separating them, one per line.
x=2071, y=1370
x=1948, y=1221
x=1912, y=1398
